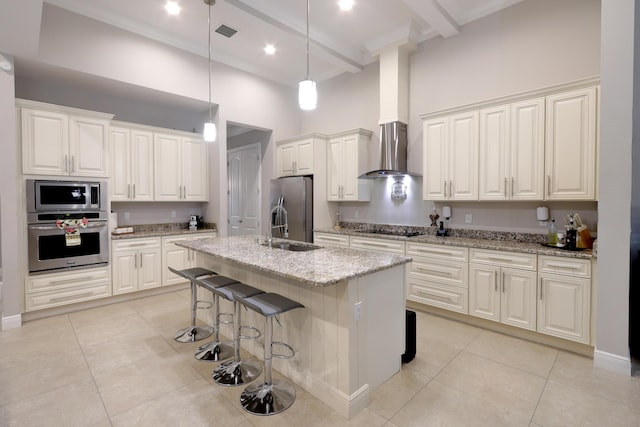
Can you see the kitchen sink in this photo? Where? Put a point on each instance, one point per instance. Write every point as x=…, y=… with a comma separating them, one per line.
x=293, y=247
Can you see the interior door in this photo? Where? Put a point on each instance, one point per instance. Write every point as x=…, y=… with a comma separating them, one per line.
x=244, y=171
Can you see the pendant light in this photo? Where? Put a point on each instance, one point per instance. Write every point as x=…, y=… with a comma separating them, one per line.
x=307, y=93
x=209, y=127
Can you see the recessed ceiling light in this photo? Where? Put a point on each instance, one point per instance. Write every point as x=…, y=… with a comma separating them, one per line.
x=345, y=4
x=269, y=49
x=172, y=8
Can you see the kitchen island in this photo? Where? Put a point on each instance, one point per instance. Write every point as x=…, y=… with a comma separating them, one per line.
x=349, y=338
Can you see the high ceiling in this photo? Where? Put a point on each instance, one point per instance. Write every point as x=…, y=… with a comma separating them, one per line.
x=340, y=41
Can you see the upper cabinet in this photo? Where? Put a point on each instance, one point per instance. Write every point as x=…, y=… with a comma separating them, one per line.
x=63, y=141
x=131, y=164
x=180, y=168
x=512, y=151
x=295, y=156
x=347, y=156
x=571, y=148
x=450, y=157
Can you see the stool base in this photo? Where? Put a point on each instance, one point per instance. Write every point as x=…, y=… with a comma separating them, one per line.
x=234, y=373
x=268, y=399
x=214, y=351
x=193, y=333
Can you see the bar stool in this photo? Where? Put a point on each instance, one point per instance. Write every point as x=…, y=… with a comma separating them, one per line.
x=215, y=351
x=271, y=396
x=238, y=371
x=193, y=332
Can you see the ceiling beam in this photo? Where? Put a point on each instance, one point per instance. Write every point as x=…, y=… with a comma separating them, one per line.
x=435, y=15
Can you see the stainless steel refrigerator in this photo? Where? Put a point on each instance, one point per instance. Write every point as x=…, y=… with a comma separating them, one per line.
x=291, y=205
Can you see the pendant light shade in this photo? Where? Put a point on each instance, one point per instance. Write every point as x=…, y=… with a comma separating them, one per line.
x=209, y=131
x=307, y=92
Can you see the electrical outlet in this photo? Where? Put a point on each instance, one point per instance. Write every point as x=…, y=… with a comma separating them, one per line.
x=468, y=218
x=356, y=214
x=357, y=312
x=126, y=215
x=173, y=214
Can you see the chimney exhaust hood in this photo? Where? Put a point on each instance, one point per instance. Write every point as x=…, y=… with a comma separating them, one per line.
x=394, y=112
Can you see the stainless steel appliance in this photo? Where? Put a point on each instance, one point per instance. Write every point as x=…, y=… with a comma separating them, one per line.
x=292, y=208
x=67, y=224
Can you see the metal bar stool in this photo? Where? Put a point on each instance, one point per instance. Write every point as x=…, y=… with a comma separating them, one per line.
x=215, y=351
x=193, y=332
x=271, y=396
x=238, y=371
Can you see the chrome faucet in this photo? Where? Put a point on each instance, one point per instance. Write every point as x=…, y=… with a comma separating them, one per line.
x=279, y=220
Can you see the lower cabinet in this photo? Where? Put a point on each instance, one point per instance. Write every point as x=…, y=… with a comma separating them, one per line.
x=330, y=239
x=178, y=257
x=564, y=292
x=136, y=264
x=57, y=289
x=438, y=276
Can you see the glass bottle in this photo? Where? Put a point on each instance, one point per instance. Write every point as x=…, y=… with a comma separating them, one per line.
x=552, y=236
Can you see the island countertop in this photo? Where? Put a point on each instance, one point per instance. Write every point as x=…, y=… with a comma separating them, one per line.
x=320, y=267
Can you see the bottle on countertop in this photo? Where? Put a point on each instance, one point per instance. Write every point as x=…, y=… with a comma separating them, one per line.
x=552, y=236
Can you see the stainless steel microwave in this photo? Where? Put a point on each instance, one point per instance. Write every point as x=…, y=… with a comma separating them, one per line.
x=67, y=196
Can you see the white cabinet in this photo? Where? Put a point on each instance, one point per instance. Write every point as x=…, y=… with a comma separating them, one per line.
x=330, y=239
x=347, y=158
x=389, y=246
x=136, y=264
x=512, y=151
x=68, y=287
x=63, y=141
x=295, y=156
x=438, y=276
x=450, y=157
x=564, y=298
x=178, y=257
x=180, y=168
x=571, y=149
x=502, y=287
x=131, y=164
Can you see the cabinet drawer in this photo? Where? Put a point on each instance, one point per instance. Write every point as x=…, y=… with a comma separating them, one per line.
x=451, y=273
x=55, y=281
x=137, y=243
x=41, y=300
x=448, y=297
x=331, y=239
x=567, y=266
x=451, y=253
x=504, y=258
x=377, y=245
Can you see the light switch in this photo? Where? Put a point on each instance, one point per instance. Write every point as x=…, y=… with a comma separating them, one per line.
x=468, y=218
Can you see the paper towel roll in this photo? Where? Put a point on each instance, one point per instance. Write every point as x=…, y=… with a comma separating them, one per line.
x=446, y=212
x=542, y=213
x=113, y=219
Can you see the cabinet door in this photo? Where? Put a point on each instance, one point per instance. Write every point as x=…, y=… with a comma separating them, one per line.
x=88, y=146
x=335, y=169
x=527, y=150
x=518, y=299
x=435, y=158
x=125, y=271
x=175, y=257
x=167, y=173
x=149, y=266
x=45, y=142
x=141, y=165
x=563, y=307
x=494, y=173
x=570, y=162
x=463, y=156
x=194, y=170
x=304, y=158
x=120, y=149
x=350, y=162
x=484, y=291
x=285, y=156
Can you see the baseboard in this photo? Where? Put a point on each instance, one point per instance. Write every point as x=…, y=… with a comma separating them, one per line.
x=612, y=362
x=345, y=405
x=11, y=322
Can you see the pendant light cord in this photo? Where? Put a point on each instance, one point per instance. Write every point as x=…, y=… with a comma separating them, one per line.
x=307, y=39
x=209, y=32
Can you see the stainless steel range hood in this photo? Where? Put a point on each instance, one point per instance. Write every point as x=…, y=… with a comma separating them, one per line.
x=393, y=151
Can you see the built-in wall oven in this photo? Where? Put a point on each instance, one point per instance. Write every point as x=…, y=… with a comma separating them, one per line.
x=67, y=224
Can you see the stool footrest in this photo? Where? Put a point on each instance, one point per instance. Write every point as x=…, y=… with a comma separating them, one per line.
x=285, y=345
x=257, y=335
x=203, y=305
x=225, y=322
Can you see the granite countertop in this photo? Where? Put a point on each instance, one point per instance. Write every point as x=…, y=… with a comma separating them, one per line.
x=500, y=244
x=160, y=232
x=321, y=267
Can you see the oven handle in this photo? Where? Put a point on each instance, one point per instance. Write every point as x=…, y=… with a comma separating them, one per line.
x=100, y=224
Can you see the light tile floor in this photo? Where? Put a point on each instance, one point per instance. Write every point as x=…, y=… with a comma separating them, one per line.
x=119, y=366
